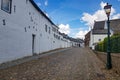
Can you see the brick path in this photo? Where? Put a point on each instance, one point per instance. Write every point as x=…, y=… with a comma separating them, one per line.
x=71, y=64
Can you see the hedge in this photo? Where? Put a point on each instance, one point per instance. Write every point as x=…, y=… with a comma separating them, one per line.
x=114, y=44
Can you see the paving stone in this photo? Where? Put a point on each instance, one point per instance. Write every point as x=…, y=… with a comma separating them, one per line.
x=71, y=64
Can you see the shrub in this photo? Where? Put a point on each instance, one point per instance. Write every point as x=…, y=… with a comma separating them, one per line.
x=114, y=44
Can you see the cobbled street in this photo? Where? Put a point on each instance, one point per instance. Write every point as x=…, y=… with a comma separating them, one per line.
x=71, y=64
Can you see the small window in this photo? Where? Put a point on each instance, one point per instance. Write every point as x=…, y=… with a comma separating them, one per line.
x=6, y=5
x=4, y=23
x=99, y=40
x=25, y=29
x=53, y=29
x=29, y=27
x=33, y=27
x=31, y=19
x=45, y=27
x=26, y=1
x=49, y=30
x=14, y=8
x=29, y=13
x=54, y=35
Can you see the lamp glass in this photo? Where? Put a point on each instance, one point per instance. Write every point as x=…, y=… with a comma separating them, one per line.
x=107, y=10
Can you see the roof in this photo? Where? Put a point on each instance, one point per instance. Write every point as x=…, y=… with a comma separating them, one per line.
x=99, y=27
x=115, y=25
x=41, y=12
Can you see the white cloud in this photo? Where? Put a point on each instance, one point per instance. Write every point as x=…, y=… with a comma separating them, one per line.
x=64, y=28
x=88, y=18
x=39, y=4
x=75, y=32
x=102, y=4
x=116, y=16
x=46, y=3
x=98, y=15
x=81, y=34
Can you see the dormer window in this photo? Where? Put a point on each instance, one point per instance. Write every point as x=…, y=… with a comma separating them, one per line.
x=6, y=5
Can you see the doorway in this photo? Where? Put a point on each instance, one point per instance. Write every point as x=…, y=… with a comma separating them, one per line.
x=33, y=44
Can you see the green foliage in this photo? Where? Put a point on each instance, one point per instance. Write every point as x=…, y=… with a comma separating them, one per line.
x=114, y=44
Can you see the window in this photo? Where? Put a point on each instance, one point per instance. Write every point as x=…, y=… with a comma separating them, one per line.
x=14, y=8
x=49, y=30
x=26, y=1
x=99, y=39
x=31, y=19
x=33, y=27
x=54, y=35
x=29, y=13
x=6, y=5
x=45, y=27
x=53, y=29
x=4, y=22
x=25, y=29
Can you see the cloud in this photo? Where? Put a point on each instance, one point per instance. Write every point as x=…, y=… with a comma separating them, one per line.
x=75, y=32
x=78, y=32
x=64, y=28
x=116, y=16
x=46, y=3
x=81, y=34
x=39, y=4
x=102, y=4
x=99, y=15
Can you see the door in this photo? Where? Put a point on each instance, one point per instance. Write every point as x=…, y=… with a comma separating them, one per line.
x=33, y=44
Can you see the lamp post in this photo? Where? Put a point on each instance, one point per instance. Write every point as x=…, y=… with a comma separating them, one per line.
x=107, y=9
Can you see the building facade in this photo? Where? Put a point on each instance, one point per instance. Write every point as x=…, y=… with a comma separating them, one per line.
x=99, y=31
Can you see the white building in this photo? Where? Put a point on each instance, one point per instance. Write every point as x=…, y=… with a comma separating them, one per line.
x=25, y=30
x=99, y=31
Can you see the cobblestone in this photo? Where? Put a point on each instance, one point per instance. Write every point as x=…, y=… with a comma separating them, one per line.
x=71, y=64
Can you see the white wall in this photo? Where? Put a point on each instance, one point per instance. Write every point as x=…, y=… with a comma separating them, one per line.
x=97, y=38
x=21, y=24
x=17, y=43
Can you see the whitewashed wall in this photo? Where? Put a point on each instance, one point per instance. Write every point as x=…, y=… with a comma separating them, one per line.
x=16, y=36
x=96, y=38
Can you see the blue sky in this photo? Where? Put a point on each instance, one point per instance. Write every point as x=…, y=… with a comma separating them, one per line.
x=75, y=17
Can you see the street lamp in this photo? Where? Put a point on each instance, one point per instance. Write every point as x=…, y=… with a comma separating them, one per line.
x=107, y=9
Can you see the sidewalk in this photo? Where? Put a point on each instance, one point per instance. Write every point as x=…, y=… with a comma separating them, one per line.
x=29, y=58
